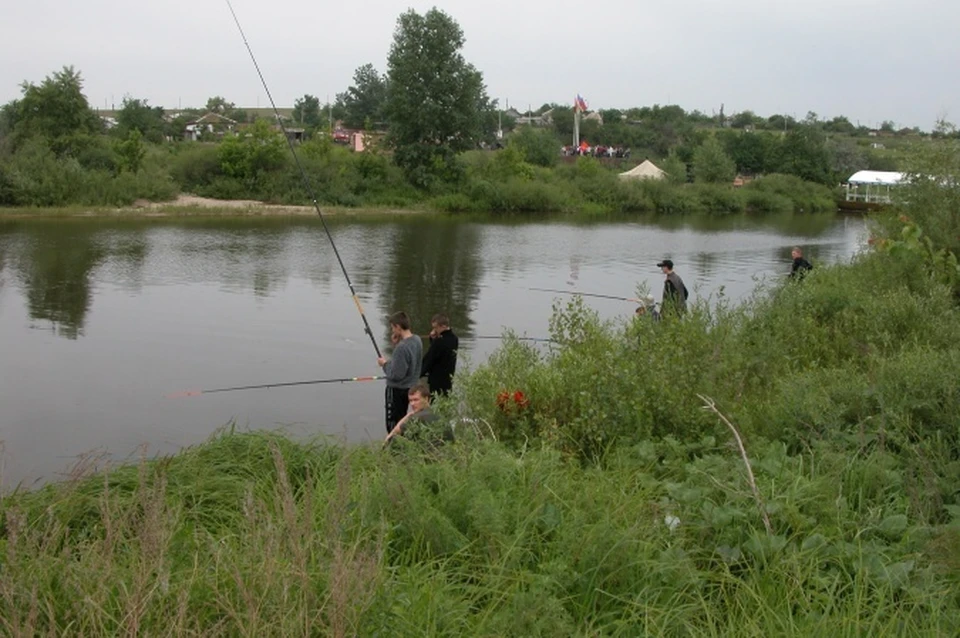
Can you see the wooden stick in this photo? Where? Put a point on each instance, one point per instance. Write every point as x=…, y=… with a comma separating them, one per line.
x=710, y=404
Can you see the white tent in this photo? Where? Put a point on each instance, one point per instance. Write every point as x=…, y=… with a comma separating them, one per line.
x=644, y=170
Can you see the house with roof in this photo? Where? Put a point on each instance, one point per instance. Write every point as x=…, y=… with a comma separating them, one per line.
x=211, y=124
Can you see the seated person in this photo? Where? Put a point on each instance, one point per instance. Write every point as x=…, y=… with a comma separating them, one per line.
x=416, y=424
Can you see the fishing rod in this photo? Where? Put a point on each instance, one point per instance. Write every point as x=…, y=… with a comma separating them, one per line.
x=306, y=183
x=586, y=294
x=194, y=393
x=538, y=339
x=499, y=337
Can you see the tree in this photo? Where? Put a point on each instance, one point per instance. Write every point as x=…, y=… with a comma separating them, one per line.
x=56, y=110
x=434, y=97
x=365, y=98
x=137, y=115
x=257, y=149
x=537, y=146
x=131, y=152
x=802, y=153
x=712, y=164
x=219, y=104
x=846, y=157
x=306, y=111
x=675, y=168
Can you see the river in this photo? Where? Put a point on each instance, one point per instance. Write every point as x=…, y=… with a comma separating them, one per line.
x=102, y=319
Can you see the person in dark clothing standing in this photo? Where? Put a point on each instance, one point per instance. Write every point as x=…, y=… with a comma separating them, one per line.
x=800, y=265
x=402, y=370
x=675, y=293
x=440, y=362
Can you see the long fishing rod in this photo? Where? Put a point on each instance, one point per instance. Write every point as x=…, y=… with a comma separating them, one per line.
x=194, y=393
x=307, y=184
x=537, y=339
x=499, y=337
x=586, y=294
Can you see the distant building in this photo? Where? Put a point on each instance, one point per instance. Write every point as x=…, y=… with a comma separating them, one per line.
x=209, y=124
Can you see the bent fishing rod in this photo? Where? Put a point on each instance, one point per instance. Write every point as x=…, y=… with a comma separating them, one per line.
x=306, y=183
x=586, y=294
x=195, y=393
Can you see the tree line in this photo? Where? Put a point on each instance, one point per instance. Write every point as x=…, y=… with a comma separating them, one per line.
x=434, y=109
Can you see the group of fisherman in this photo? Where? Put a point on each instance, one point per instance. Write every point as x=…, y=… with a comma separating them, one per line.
x=407, y=397
x=675, y=293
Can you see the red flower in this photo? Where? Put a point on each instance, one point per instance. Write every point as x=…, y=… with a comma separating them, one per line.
x=512, y=401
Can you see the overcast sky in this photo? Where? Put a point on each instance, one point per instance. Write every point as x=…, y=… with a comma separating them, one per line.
x=871, y=60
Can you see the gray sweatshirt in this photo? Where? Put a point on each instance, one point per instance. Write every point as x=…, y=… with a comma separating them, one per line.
x=403, y=369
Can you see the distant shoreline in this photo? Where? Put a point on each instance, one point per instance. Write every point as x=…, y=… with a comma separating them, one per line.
x=193, y=206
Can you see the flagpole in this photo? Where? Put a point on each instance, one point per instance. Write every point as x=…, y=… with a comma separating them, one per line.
x=576, y=124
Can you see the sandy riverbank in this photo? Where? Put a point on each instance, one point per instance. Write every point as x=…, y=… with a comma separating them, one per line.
x=192, y=205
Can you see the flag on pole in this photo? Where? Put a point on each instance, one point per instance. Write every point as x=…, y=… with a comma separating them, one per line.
x=580, y=104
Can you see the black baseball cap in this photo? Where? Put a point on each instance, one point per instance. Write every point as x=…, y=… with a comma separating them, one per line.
x=667, y=263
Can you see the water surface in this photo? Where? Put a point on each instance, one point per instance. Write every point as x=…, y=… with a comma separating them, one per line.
x=101, y=319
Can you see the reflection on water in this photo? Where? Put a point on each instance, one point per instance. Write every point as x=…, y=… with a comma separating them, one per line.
x=133, y=310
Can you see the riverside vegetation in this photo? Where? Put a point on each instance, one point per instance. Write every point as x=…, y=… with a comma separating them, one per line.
x=592, y=494
x=56, y=152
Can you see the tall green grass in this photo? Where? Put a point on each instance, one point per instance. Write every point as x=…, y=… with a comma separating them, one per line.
x=253, y=534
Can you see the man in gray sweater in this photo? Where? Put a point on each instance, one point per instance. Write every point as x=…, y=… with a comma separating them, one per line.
x=402, y=370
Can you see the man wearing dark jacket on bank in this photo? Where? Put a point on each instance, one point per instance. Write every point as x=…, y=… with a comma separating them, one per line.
x=800, y=265
x=440, y=362
x=674, y=291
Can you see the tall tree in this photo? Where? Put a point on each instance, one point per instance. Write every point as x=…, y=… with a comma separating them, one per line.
x=56, y=110
x=712, y=164
x=434, y=97
x=364, y=100
x=219, y=104
x=306, y=111
x=138, y=115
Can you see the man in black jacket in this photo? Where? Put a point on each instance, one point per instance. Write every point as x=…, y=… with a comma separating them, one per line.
x=800, y=265
x=440, y=362
x=675, y=293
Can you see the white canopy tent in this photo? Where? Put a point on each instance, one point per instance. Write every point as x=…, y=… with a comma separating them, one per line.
x=644, y=170
x=872, y=187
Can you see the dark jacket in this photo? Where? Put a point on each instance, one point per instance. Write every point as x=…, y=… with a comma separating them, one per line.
x=800, y=268
x=674, y=294
x=440, y=362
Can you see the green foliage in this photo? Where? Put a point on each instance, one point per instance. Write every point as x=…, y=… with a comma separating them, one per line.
x=773, y=193
x=306, y=111
x=138, y=115
x=538, y=146
x=131, y=152
x=711, y=164
x=365, y=100
x=434, y=97
x=252, y=152
x=57, y=112
x=675, y=168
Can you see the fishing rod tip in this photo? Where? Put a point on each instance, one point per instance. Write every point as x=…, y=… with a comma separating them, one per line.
x=188, y=393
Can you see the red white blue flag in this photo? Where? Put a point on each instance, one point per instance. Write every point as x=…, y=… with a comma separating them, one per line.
x=580, y=104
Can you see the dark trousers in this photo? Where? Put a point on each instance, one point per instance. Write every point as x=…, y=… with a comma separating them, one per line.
x=396, y=402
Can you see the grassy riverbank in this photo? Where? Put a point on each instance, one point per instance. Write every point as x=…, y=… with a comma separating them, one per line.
x=501, y=182
x=611, y=501
x=252, y=534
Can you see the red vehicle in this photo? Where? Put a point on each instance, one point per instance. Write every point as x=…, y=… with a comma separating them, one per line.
x=341, y=137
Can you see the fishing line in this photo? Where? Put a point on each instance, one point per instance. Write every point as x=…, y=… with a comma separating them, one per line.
x=586, y=294
x=306, y=183
x=194, y=393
